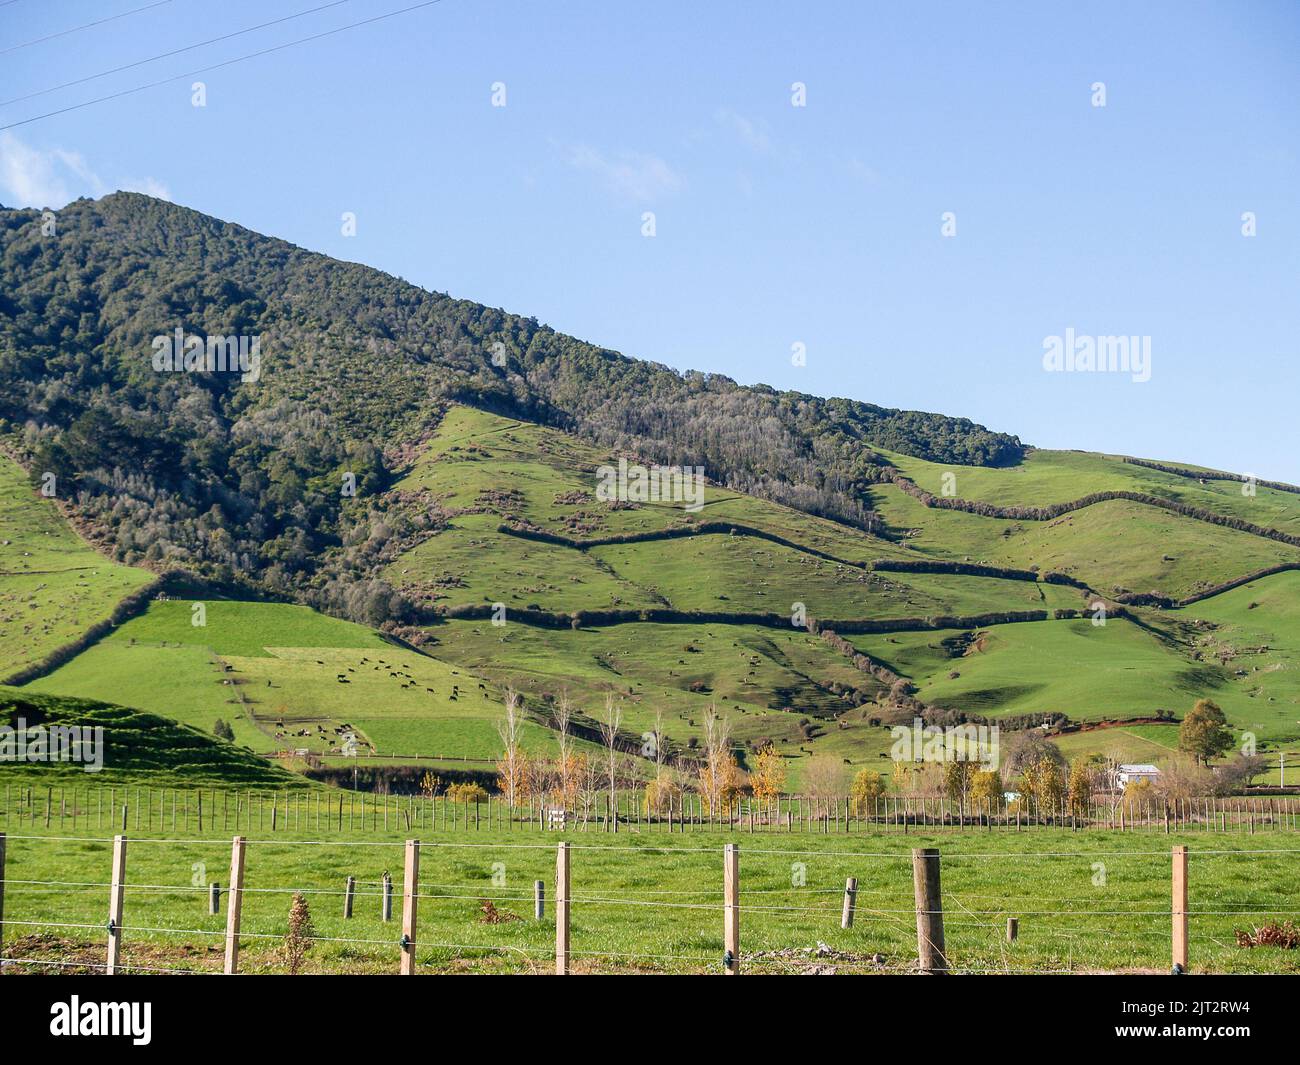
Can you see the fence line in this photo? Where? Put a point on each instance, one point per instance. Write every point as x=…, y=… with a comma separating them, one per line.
x=933, y=954
x=135, y=810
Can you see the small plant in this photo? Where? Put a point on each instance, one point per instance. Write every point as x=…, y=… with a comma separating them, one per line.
x=1282, y=934
x=298, y=940
x=491, y=915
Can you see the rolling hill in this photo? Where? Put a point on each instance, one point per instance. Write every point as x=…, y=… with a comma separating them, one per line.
x=423, y=471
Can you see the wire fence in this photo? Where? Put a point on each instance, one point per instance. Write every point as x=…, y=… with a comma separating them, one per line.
x=137, y=810
x=118, y=904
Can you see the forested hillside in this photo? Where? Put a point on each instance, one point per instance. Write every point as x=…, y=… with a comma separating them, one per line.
x=240, y=481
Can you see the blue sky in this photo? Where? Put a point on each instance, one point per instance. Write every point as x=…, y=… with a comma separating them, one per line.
x=775, y=224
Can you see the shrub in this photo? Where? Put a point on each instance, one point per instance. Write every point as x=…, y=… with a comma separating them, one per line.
x=867, y=787
x=467, y=793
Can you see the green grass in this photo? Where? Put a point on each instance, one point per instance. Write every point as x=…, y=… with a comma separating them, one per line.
x=257, y=664
x=1255, y=632
x=272, y=670
x=1115, y=546
x=742, y=574
x=1089, y=672
x=137, y=747
x=1059, y=476
x=1087, y=902
x=764, y=681
x=53, y=586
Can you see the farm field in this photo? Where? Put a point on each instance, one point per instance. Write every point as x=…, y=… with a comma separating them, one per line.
x=1047, y=476
x=53, y=586
x=1086, y=902
x=287, y=678
x=1086, y=671
x=257, y=664
x=1114, y=546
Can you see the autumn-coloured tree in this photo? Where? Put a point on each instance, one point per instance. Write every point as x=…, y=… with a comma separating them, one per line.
x=659, y=793
x=429, y=784
x=767, y=777
x=1043, y=785
x=985, y=790
x=1080, y=788
x=823, y=777
x=719, y=776
x=868, y=786
x=467, y=793
x=562, y=718
x=957, y=776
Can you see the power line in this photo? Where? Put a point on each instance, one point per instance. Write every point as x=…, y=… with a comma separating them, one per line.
x=85, y=26
x=218, y=66
x=165, y=55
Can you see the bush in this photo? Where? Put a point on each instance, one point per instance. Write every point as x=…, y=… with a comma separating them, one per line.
x=467, y=793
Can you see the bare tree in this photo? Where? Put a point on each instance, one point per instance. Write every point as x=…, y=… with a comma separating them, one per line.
x=609, y=733
x=661, y=748
x=562, y=717
x=510, y=767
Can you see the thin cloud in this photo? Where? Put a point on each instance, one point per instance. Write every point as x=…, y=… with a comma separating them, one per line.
x=634, y=176
x=53, y=177
x=752, y=134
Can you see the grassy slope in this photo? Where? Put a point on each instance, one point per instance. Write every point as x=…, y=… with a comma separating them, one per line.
x=1118, y=670
x=139, y=748
x=752, y=675
x=1057, y=476
x=1255, y=631
x=52, y=585
x=283, y=664
x=284, y=661
x=1112, y=546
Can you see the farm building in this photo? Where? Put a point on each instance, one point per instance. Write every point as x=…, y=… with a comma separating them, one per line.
x=1133, y=773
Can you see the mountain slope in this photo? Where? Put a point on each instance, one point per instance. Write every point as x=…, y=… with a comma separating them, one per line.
x=242, y=478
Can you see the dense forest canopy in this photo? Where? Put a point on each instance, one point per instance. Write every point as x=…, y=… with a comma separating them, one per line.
x=240, y=480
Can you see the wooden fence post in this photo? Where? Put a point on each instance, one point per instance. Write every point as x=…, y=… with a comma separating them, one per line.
x=731, y=909
x=410, y=889
x=386, y=906
x=539, y=899
x=234, y=905
x=118, y=886
x=1179, y=907
x=2, y=889
x=929, y=910
x=850, y=897
x=349, y=890
x=1013, y=929
x=562, y=910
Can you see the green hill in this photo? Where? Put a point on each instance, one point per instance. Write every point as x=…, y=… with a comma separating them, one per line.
x=138, y=748
x=424, y=471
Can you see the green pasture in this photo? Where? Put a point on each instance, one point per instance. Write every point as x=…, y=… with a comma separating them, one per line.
x=652, y=902
x=53, y=586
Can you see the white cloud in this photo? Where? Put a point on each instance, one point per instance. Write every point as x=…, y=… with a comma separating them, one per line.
x=634, y=176
x=35, y=177
x=752, y=134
